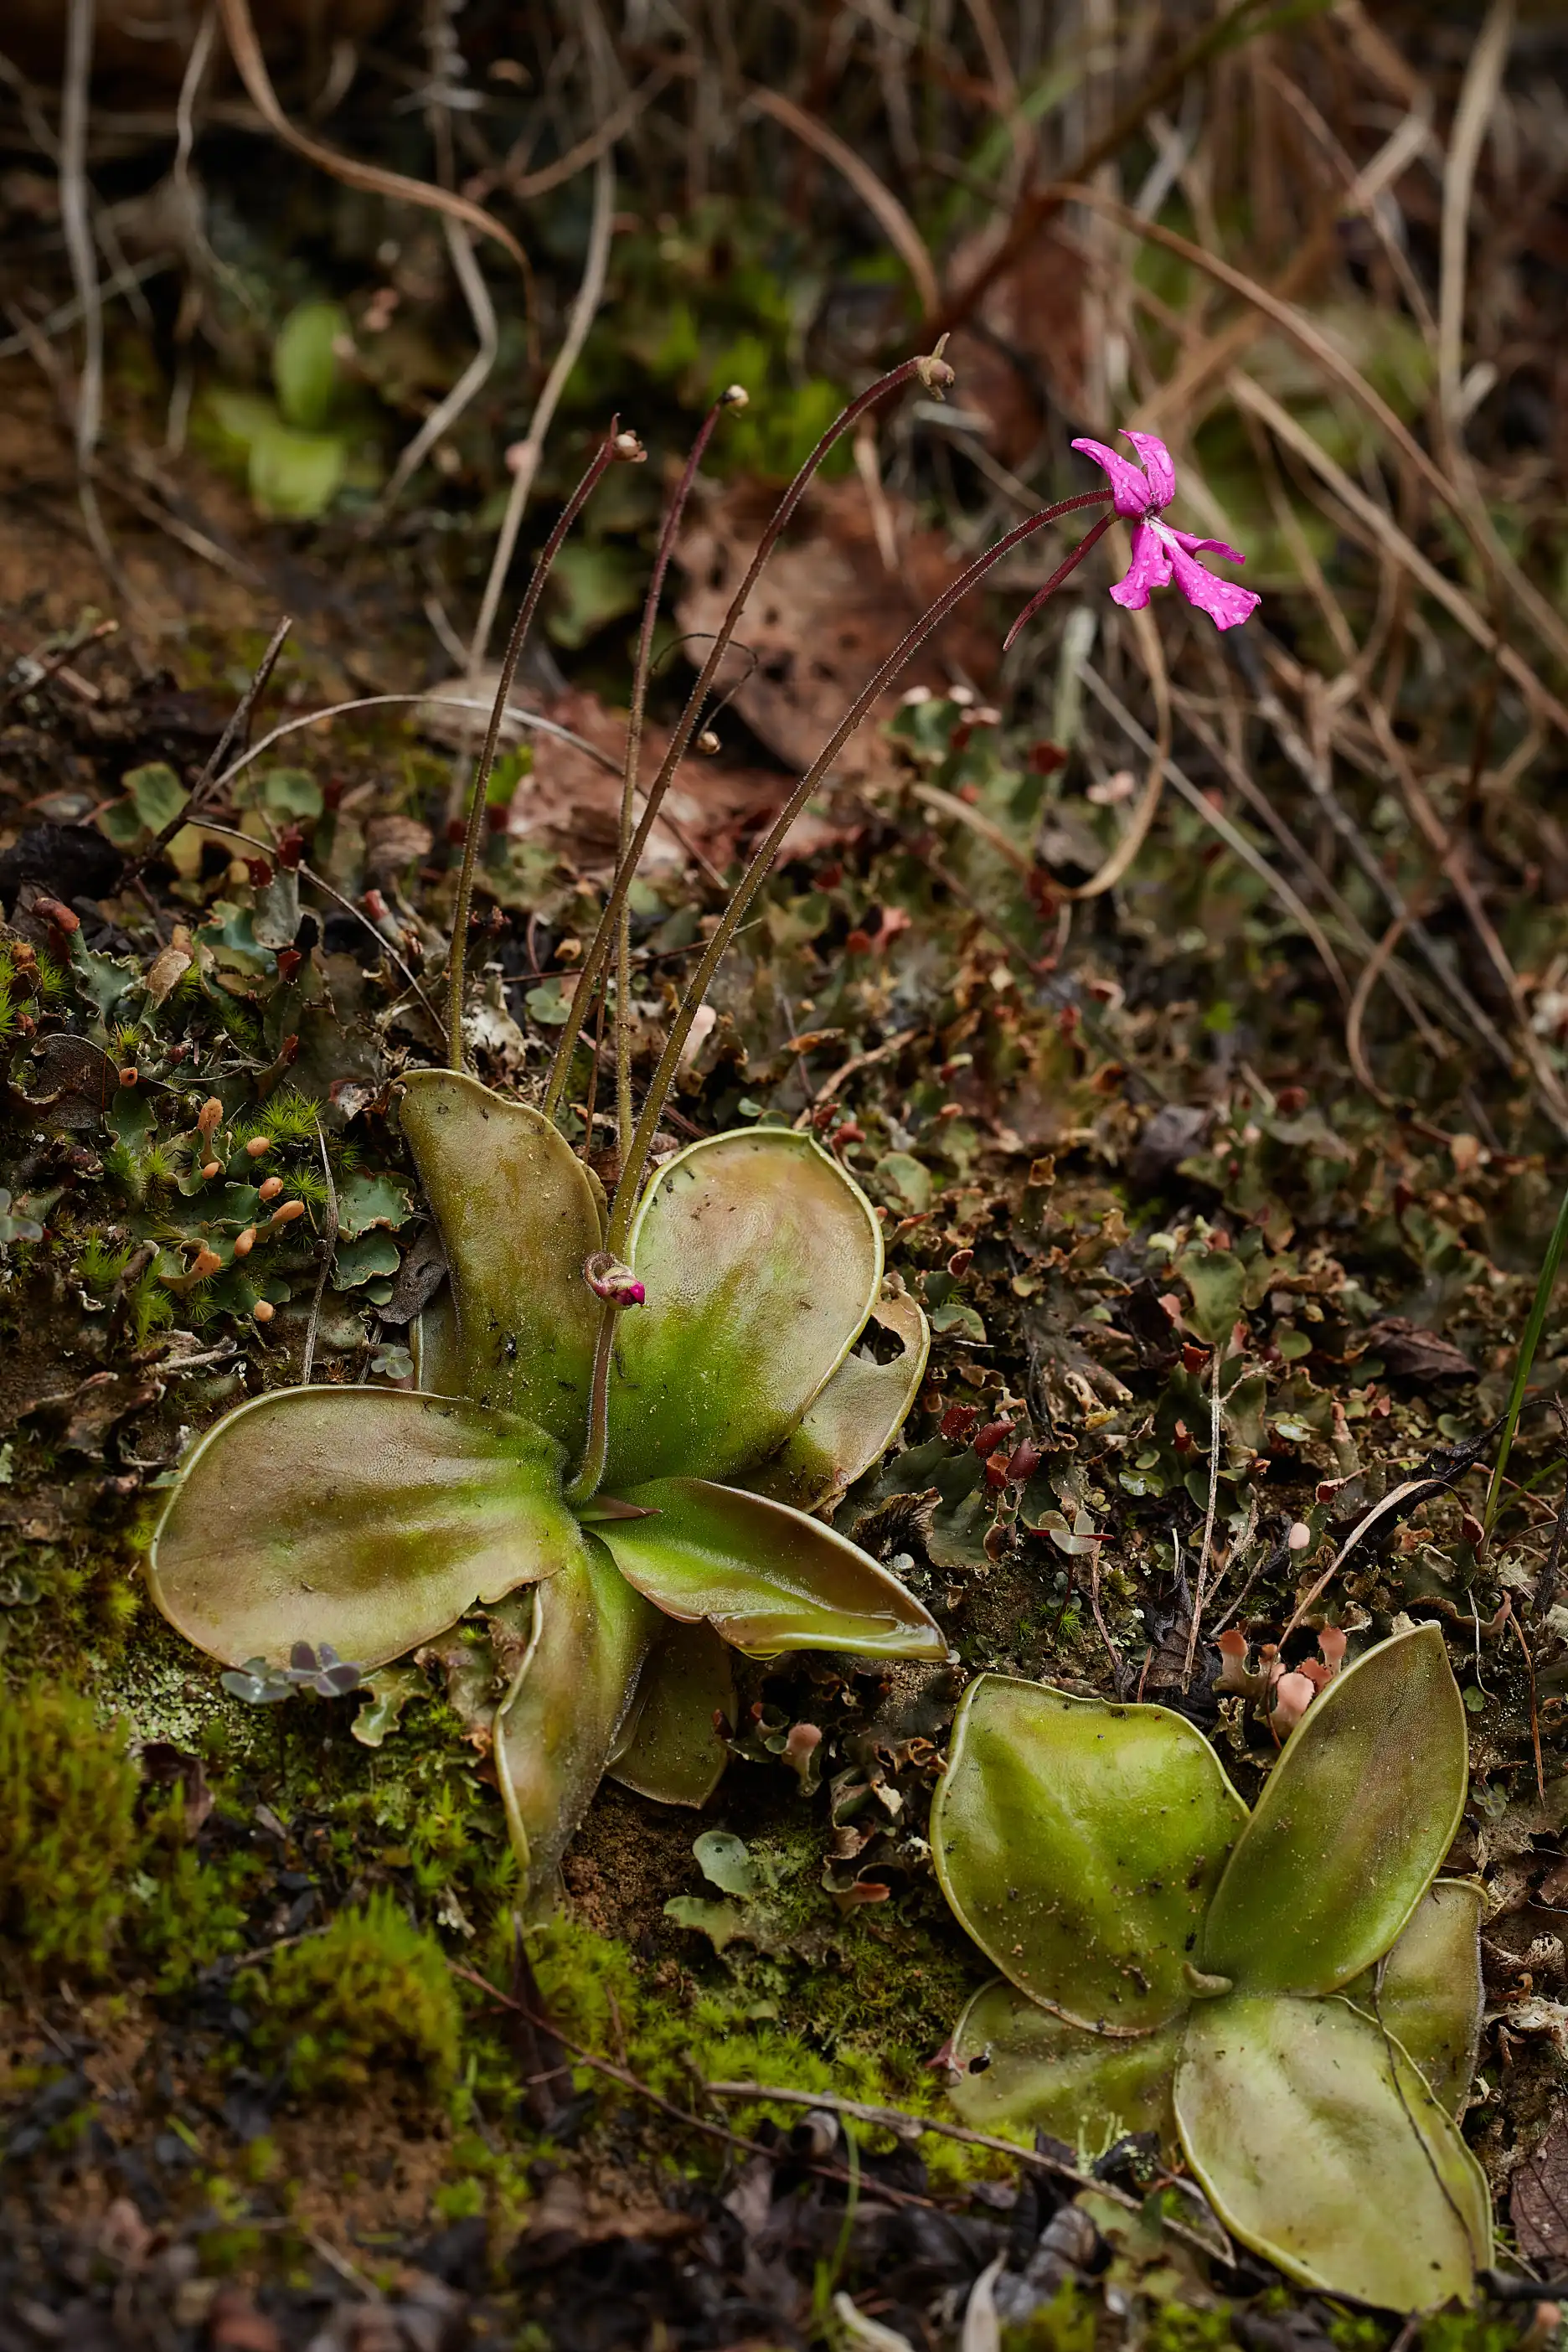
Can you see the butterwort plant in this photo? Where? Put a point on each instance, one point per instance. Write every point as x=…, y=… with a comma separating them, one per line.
x=631, y=1412
x=1289, y=1997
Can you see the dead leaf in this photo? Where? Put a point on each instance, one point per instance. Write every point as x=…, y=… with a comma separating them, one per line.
x=1410, y=1353
x=1538, y=2202
x=824, y=615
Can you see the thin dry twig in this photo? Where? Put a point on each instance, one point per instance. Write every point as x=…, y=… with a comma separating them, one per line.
x=878, y=199
x=240, y=31
x=1201, y=1590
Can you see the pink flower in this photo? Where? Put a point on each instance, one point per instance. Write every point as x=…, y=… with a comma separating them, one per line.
x=1141, y=495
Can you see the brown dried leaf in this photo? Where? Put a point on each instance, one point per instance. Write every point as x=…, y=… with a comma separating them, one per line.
x=1411, y=1353
x=1538, y=2203
x=825, y=612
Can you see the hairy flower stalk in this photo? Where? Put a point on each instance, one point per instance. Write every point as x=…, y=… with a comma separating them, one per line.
x=616, y=447
x=624, y=1205
x=735, y=397
x=930, y=370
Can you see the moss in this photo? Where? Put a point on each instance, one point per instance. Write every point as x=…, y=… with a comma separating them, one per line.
x=69, y=1834
x=1066, y=2324
x=370, y=1997
x=671, y=2035
x=1182, y=2328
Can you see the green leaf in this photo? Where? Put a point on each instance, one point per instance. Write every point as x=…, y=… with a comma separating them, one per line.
x=726, y=1864
x=1079, y=1844
x=368, y=1518
x=766, y=1577
x=1351, y=1829
x=557, y=1728
x=518, y=1217
x=1428, y=1992
x=671, y=1750
x=1033, y=2071
x=762, y=1260
x=305, y=362
x=1317, y=2141
x=909, y=1178
x=591, y=584
x=295, y=476
x=1218, y=1280
x=361, y=1261
x=854, y=1419
x=156, y=794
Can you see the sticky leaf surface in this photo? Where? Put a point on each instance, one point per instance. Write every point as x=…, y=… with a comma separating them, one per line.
x=368, y=1518
x=766, y=1577
x=1352, y=1826
x=855, y=1419
x=518, y=1218
x=1023, y=2066
x=762, y=1260
x=1079, y=1843
x=1317, y=2141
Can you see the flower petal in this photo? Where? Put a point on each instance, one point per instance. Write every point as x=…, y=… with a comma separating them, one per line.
x=762, y=1260
x=766, y=1577
x=669, y=1747
x=1195, y=546
x=1157, y=464
x=519, y=1216
x=1150, y=568
x=1132, y=494
x=368, y=1518
x=1317, y=2141
x=855, y=1419
x=1352, y=1827
x=556, y=1728
x=1079, y=1844
x=1227, y=603
x=1428, y=1991
x=1034, y=2072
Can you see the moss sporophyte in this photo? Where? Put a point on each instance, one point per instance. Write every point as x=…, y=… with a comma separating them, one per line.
x=1291, y=1998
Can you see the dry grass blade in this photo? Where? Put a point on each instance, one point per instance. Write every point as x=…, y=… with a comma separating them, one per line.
x=874, y=193
x=240, y=31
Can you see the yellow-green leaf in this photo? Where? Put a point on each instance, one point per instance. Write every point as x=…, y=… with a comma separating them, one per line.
x=1021, y=2066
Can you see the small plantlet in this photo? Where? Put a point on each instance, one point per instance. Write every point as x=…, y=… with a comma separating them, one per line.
x=1286, y=1996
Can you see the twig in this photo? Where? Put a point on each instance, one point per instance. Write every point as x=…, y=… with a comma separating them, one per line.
x=1371, y=972
x=77, y=229
x=247, y=49
x=233, y=733
x=329, y=1251
x=878, y=199
x=634, y=2082
x=1200, y=1593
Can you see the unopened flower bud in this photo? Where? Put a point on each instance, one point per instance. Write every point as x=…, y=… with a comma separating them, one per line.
x=264, y=1310
x=607, y=1277
x=707, y=743
x=735, y=395
x=934, y=372
x=1299, y=1537
x=270, y=1189
x=629, y=449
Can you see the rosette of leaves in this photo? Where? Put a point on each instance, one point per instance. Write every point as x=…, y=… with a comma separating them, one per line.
x=366, y=1521
x=1285, y=1995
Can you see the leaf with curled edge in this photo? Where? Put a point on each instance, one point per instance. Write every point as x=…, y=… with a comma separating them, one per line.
x=365, y=1520
x=557, y=1726
x=767, y=1579
x=1020, y=2066
x=1352, y=1827
x=762, y=1260
x=1316, y=2139
x=1079, y=1844
x=1428, y=1989
x=854, y=1419
x=518, y=1216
